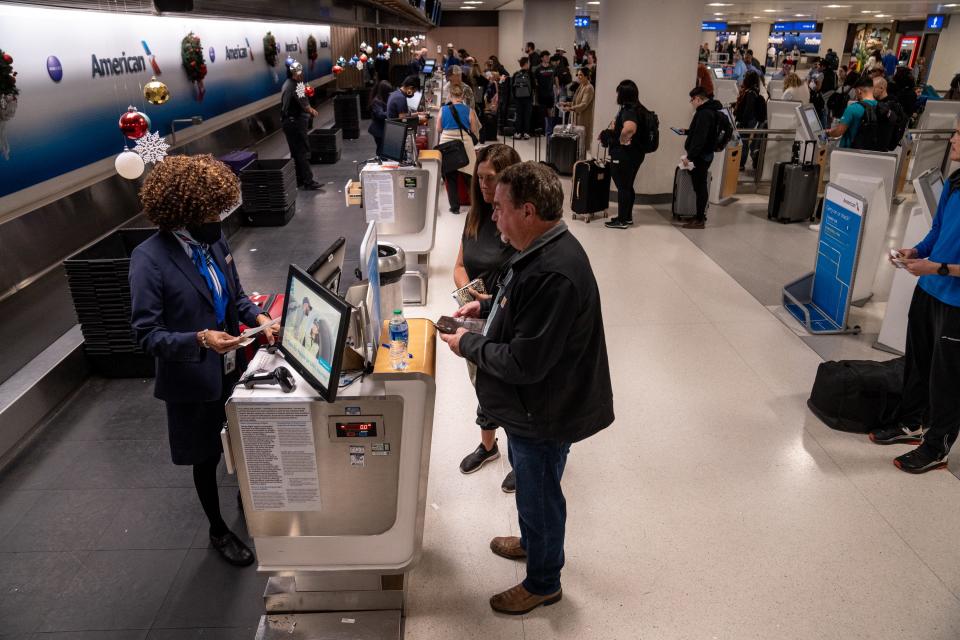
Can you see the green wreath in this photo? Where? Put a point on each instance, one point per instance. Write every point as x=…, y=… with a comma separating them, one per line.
x=191, y=55
x=270, y=49
x=8, y=77
x=312, y=48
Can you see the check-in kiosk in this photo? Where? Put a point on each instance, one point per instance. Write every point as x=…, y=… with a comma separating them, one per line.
x=781, y=115
x=726, y=91
x=332, y=467
x=870, y=175
x=932, y=151
x=725, y=169
x=810, y=129
x=401, y=196
x=775, y=88
x=893, y=331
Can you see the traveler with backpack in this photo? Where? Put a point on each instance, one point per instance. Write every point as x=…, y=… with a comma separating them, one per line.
x=858, y=128
x=929, y=411
x=522, y=90
x=751, y=113
x=544, y=83
x=709, y=132
x=892, y=119
x=626, y=154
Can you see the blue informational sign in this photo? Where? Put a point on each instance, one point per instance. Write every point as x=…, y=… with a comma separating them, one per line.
x=836, y=265
x=805, y=42
x=581, y=21
x=714, y=26
x=795, y=26
x=935, y=23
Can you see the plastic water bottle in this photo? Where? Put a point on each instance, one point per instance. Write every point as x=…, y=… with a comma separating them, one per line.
x=399, y=338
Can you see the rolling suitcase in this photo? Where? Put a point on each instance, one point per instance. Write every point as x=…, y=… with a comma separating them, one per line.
x=488, y=127
x=463, y=191
x=793, y=196
x=591, y=189
x=565, y=147
x=684, y=203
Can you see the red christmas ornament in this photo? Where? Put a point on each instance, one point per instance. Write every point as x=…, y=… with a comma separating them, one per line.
x=337, y=69
x=134, y=124
x=7, y=58
x=363, y=58
x=310, y=91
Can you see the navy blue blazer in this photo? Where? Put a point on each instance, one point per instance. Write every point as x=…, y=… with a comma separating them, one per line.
x=170, y=304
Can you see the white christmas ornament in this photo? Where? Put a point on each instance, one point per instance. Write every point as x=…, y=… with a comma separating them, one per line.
x=359, y=66
x=369, y=50
x=363, y=45
x=394, y=40
x=129, y=165
x=301, y=90
x=152, y=148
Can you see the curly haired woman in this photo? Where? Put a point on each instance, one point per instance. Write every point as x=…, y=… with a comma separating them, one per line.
x=187, y=305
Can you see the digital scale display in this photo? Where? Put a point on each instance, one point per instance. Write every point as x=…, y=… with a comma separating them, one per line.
x=356, y=429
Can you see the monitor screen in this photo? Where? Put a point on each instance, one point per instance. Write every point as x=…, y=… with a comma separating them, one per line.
x=327, y=268
x=314, y=332
x=718, y=72
x=394, y=141
x=812, y=120
x=929, y=189
x=370, y=267
x=429, y=66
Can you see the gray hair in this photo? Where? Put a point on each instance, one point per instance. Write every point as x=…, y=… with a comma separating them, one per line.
x=455, y=70
x=535, y=183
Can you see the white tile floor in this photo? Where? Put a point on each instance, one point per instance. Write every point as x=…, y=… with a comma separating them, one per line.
x=716, y=506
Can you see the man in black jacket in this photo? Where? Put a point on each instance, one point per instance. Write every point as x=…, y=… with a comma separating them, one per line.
x=295, y=112
x=542, y=370
x=700, y=144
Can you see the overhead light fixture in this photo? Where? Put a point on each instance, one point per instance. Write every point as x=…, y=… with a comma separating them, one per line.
x=801, y=15
x=882, y=15
x=466, y=8
x=727, y=4
x=769, y=10
x=869, y=11
x=594, y=2
x=951, y=6
x=718, y=14
x=838, y=6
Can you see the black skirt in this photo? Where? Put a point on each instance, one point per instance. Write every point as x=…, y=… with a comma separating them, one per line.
x=194, y=427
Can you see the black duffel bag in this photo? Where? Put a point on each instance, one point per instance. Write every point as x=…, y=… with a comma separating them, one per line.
x=858, y=396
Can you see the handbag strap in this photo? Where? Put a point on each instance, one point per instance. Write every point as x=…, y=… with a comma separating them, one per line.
x=456, y=116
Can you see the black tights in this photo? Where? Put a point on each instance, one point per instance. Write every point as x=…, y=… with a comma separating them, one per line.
x=205, y=479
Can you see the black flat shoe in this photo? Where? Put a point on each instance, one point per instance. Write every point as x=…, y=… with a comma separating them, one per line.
x=311, y=186
x=232, y=549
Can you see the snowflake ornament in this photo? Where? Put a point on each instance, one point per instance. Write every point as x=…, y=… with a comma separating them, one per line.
x=301, y=90
x=152, y=148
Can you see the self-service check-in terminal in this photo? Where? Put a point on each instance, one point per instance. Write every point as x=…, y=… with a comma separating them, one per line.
x=333, y=473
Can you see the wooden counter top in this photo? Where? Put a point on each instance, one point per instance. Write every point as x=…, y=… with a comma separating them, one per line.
x=422, y=346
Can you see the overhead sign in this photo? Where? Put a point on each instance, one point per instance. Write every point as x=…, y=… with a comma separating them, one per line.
x=714, y=26
x=935, y=23
x=581, y=21
x=795, y=26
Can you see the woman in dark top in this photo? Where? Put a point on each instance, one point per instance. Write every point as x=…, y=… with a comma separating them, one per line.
x=186, y=307
x=750, y=113
x=482, y=254
x=378, y=112
x=625, y=155
x=905, y=89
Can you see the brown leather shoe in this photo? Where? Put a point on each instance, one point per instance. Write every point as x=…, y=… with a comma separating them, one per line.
x=694, y=224
x=517, y=601
x=508, y=547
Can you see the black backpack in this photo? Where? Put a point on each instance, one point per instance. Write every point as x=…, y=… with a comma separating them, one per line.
x=650, y=140
x=859, y=396
x=521, y=86
x=723, y=131
x=868, y=136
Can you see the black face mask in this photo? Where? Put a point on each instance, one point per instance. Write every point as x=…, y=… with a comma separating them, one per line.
x=206, y=233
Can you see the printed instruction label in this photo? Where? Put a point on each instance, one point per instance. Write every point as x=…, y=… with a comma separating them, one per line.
x=378, y=196
x=280, y=456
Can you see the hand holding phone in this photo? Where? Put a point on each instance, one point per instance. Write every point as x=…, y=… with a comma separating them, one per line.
x=679, y=132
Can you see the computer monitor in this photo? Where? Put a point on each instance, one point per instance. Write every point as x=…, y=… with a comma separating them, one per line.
x=929, y=187
x=718, y=73
x=370, y=267
x=314, y=332
x=327, y=268
x=811, y=121
x=429, y=65
x=394, y=141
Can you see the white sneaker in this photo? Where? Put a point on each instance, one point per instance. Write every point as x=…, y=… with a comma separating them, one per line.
x=815, y=227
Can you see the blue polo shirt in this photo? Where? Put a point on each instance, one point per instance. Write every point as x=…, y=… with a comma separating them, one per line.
x=942, y=245
x=852, y=117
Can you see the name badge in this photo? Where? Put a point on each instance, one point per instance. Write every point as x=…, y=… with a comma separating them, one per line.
x=229, y=362
x=229, y=258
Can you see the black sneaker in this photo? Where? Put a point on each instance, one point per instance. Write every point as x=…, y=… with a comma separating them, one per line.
x=478, y=458
x=900, y=434
x=509, y=484
x=616, y=223
x=920, y=461
x=455, y=210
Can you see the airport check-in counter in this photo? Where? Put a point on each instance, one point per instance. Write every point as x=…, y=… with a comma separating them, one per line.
x=334, y=492
x=402, y=200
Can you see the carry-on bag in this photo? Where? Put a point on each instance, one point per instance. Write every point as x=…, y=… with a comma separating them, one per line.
x=565, y=147
x=684, y=203
x=591, y=189
x=793, y=196
x=859, y=396
x=488, y=127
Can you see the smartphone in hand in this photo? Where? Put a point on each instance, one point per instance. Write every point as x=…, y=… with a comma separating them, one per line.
x=679, y=132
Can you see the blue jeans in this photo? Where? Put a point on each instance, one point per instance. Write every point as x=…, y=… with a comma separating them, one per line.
x=538, y=466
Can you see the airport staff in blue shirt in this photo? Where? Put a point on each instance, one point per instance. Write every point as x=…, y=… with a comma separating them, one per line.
x=890, y=63
x=929, y=412
x=849, y=123
x=397, y=102
x=739, y=68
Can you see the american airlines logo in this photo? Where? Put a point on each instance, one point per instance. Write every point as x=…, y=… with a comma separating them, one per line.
x=236, y=53
x=102, y=67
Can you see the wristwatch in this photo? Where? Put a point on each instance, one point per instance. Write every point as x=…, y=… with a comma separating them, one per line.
x=944, y=269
